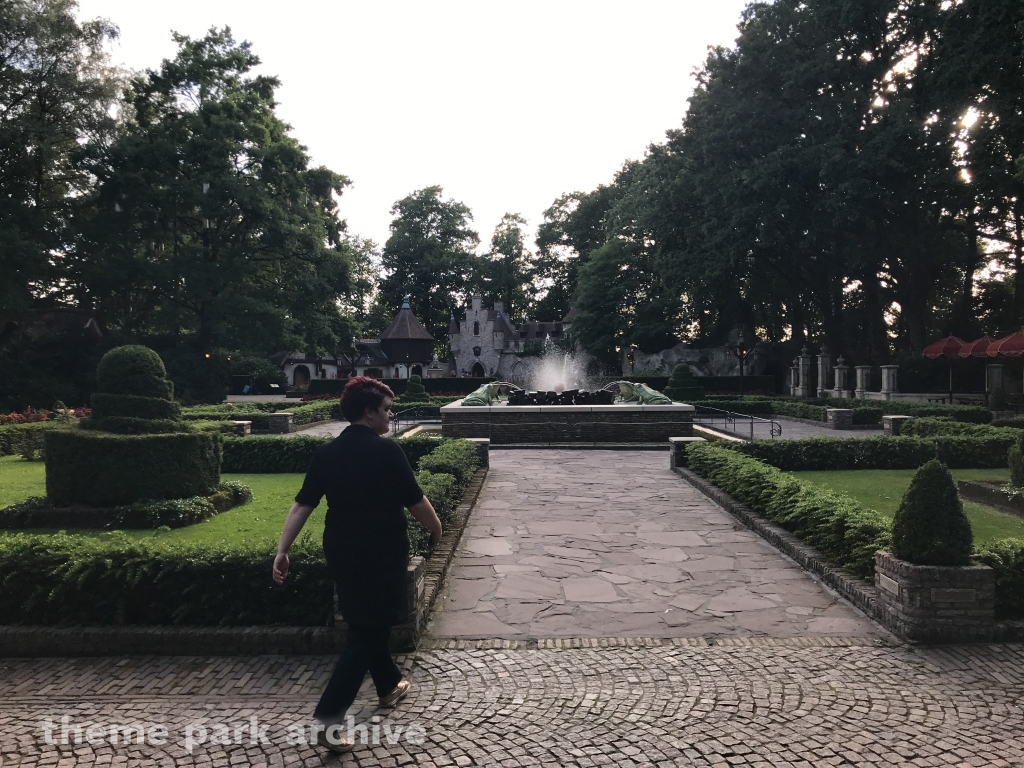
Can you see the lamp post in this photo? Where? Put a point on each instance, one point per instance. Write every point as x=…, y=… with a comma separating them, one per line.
x=741, y=349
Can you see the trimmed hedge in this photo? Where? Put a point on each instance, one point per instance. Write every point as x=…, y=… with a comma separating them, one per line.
x=112, y=580
x=842, y=453
x=457, y=458
x=833, y=523
x=1006, y=558
x=931, y=426
x=269, y=455
x=105, y=470
x=106, y=405
x=464, y=386
x=1017, y=422
x=38, y=512
x=16, y=438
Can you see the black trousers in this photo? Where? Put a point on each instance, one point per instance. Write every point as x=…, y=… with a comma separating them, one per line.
x=366, y=649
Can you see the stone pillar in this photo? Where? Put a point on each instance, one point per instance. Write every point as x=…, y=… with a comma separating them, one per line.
x=863, y=380
x=996, y=378
x=824, y=366
x=841, y=380
x=677, y=450
x=893, y=425
x=483, y=446
x=889, y=383
x=804, y=362
x=839, y=418
x=794, y=376
x=280, y=423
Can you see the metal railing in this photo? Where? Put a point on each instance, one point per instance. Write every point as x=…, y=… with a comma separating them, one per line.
x=420, y=414
x=740, y=424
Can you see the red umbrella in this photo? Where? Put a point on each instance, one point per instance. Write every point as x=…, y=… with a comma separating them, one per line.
x=1011, y=346
x=949, y=348
x=977, y=348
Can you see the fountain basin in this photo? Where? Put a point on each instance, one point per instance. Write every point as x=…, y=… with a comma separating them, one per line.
x=619, y=423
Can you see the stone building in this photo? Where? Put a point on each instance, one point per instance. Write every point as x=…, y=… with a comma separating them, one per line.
x=486, y=343
x=404, y=348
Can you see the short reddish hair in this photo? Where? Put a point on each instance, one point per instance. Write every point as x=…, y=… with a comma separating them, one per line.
x=363, y=394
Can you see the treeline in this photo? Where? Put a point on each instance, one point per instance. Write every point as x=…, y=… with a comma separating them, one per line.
x=852, y=171
x=174, y=208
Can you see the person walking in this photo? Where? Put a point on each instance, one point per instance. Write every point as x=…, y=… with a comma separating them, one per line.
x=367, y=481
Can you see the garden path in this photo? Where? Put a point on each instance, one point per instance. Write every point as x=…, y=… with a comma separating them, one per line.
x=569, y=543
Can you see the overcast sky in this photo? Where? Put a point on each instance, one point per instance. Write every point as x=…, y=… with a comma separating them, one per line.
x=505, y=105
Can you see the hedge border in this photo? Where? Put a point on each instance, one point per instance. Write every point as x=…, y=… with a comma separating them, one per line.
x=862, y=595
x=183, y=640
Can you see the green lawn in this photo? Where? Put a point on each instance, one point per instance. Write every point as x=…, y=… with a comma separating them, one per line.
x=882, y=489
x=259, y=520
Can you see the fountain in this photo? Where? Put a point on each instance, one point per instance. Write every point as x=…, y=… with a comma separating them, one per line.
x=562, y=409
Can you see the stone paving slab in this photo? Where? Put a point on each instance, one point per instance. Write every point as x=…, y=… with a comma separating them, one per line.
x=612, y=543
x=805, y=702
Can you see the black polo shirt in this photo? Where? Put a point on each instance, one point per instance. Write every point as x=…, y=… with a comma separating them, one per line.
x=368, y=483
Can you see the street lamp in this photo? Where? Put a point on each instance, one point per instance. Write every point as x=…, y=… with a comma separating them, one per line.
x=741, y=349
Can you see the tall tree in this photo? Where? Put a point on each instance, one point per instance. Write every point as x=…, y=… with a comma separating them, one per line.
x=57, y=94
x=429, y=257
x=209, y=221
x=507, y=271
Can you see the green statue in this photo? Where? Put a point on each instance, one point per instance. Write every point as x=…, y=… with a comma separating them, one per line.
x=488, y=393
x=631, y=391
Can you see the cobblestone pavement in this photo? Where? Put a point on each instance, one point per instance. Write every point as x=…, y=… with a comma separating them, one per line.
x=569, y=543
x=749, y=703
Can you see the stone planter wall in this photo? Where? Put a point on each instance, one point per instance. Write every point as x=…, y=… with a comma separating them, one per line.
x=935, y=604
x=993, y=494
x=511, y=424
x=839, y=418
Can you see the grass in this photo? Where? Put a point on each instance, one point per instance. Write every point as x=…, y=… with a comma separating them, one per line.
x=258, y=521
x=882, y=489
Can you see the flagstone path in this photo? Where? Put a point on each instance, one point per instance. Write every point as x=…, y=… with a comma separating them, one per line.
x=613, y=544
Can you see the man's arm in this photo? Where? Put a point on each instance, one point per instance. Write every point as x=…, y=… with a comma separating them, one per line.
x=425, y=515
x=297, y=517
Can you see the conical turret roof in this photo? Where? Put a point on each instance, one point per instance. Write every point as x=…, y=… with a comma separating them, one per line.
x=406, y=326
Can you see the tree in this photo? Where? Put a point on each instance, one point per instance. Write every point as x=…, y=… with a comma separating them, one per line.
x=209, y=223
x=506, y=272
x=572, y=228
x=429, y=257
x=57, y=92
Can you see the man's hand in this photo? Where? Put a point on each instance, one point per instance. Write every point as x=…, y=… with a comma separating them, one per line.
x=281, y=567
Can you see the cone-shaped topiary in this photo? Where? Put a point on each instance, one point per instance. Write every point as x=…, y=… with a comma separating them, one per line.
x=415, y=390
x=683, y=386
x=135, y=445
x=930, y=527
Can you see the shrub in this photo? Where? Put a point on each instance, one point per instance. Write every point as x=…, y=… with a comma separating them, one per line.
x=841, y=453
x=833, y=523
x=930, y=527
x=100, y=469
x=17, y=438
x=133, y=370
x=417, y=447
x=112, y=580
x=414, y=390
x=1006, y=558
x=1015, y=458
x=1017, y=422
x=442, y=490
x=107, y=405
x=322, y=410
x=457, y=458
x=682, y=386
x=799, y=410
x=267, y=455
x=931, y=426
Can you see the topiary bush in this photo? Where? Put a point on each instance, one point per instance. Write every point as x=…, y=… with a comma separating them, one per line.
x=414, y=390
x=134, y=446
x=930, y=527
x=682, y=386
